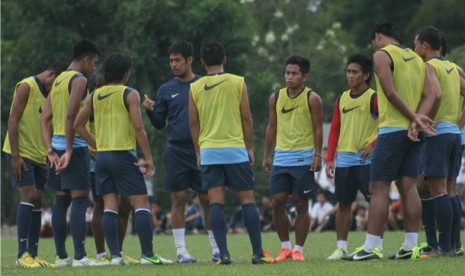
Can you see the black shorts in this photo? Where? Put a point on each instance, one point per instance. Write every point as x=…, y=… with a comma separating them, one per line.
x=349, y=180
x=76, y=176
x=297, y=180
x=181, y=170
x=237, y=177
x=36, y=174
x=440, y=156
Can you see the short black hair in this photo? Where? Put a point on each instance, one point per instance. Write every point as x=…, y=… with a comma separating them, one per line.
x=386, y=28
x=213, y=53
x=115, y=66
x=58, y=67
x=85, y=48
x=99, y=78
x=431, y=36
x=184, y=48
x=365, y=62
x=301, y=61
x=443, y=45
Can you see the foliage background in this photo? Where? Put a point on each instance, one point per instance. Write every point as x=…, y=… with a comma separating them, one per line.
x=258, y=36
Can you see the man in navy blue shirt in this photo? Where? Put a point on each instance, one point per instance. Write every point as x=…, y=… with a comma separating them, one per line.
x=181, y=172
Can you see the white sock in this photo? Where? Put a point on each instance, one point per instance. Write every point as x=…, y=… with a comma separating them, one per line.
x=286, y=244
x=371, y=242
x=213, y=242
x=179, y=241
x=380, y=244
x=100, y=255
x=298, y=248
x=410, y=240
x=342, y=244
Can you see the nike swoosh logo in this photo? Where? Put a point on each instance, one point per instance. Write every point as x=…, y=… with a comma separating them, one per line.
x=100, y=97
x=450, y=70
x=407, y=59
x=284, y=110
x=22, y=240
x=344, y=110
x=174, y=95
x=307, y=191
x=206, y=87
x=58, y=83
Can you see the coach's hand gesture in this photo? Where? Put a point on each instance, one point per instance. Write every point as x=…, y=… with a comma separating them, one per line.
x=148, y=103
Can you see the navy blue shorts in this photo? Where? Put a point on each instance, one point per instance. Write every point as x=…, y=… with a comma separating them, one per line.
x=181, y=170
x=237, y=177
x=458, y=166
x=440, y=156
x=116, y=173
x=36, y=174
x=297, y=180
x=93, y=188
x=349, y=181
x=76, y=176
x=394, y=156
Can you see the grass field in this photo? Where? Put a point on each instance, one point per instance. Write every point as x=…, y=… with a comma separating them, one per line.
x=317, y=248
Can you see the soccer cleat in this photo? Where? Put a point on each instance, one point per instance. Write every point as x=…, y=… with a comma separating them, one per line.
x=225, y=260
x=130, y=260
x=338, y=254
x=403, y=254
x=215, y=257
x=115, y=260
x=361, y=254
x=154, y=260
x=283, y=255
x=26, y=261
x=266, y=259
x=424, y=248
x=185, y=258
x=103, y=261
x=297, y=256
x=42, y=262
x=459, y=252
x=86, y=262
x=437, y=253
x=63, y=262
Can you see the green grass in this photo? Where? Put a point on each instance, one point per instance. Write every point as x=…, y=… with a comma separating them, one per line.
x=317, y=248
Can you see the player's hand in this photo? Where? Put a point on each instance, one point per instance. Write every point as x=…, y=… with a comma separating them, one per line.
x=145, y=166
x=425, y=123
x=367, y=152
x=412, y=132
x=93, y=155
x=330, y=166
x=53, y=158
x=266, y=164
x=63, y=162
x=148, y=103
x=198, y=162
x=251, y=157
x=17, y=165
x=316, y=164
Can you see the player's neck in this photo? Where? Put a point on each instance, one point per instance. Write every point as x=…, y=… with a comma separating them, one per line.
x=359, y=89
x=295, y=91
x=431, y=54
x=187, y=78
x=76, y=66
x=215, y=69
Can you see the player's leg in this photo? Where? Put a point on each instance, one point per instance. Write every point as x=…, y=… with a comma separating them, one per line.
x=454, y=168
x=428, y=216
x=205, y=203
x=97, y=229
x=110, y=224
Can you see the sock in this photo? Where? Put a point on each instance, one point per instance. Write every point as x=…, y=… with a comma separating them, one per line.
x=298, y=248
x=459, y=204
x=213, y=242
x=429, y=222
x=342, y=244
x=380, y=244
x=252, y=223
x=23, y=218
x=143, y=225
x=179, y=240
x=371, y=242
x=77, y=223
x=59, y=224
x=455, y=222
x=443, y=212
x=98, y=256
x=110, y=230
x=218, y=223
x=286, y=244
x=410, y=240
x=34, y=232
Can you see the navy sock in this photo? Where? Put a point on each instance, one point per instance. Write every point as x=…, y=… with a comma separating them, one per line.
x=429, y=222
x=143, y=225
x=459, y=204
x=77, y=223
x=34, y=232
x=252, y=223
x=455, y=222
x=23, y=218
x=110, y=230
x=59, y=225
x=443, y=211
x=218, y=224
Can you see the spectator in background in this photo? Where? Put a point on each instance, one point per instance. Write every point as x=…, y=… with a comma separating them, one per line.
x=194, y=218
x=236, y=224
x=159, y=218
x=266, y=213
x=396, y=216
x=319, y=213
x=46, y=223
x=361, y=218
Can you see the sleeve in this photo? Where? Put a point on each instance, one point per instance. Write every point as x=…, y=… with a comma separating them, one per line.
x=160, y=111
x=374, y=105
x=334, y=131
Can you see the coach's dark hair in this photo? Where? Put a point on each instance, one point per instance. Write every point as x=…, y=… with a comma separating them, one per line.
x=58, y=67
x=386, y=28
x=431, y=36
x=115, y=66
x=365, y=62
x=301, y=61
x=184, y=48
x=443, y=45
x=213, y=53
x=85, y=48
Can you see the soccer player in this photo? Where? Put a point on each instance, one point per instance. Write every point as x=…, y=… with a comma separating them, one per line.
x=439, y=156
x=353, y=133
x=68, y=153
x=26, y=157
x=296, y=125
x=400, y=84
x=215, y=101
x=118, y=125
x=181, y=172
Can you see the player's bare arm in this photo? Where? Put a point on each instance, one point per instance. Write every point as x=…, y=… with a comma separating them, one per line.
x=270, y=136
x=316, y=108
x=247, y=124
x=46, y=127
x=194, y=126
x=81, y=120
